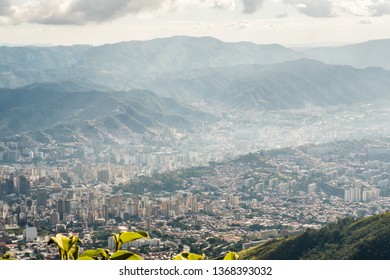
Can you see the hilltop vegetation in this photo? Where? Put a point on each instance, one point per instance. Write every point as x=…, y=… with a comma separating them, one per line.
x=167, y=181
x=348, y=239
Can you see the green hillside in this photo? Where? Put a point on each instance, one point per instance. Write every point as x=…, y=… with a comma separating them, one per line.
x=349, y=239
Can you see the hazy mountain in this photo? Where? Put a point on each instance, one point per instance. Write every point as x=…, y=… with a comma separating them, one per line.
x=130, y=64
x=372, y=53
x=241, y=75
x=349, y=239
x=44, y=106
x=286, y=85
x=117, y=65
x=20, y=66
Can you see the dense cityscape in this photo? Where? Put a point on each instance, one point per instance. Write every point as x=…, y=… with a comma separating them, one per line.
x=187, y=200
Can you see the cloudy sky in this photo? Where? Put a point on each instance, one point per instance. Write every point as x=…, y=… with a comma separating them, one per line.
x=287, y=22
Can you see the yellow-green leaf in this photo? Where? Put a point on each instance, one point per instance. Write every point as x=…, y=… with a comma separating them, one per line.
x=96, y=254
x=128, y=236
x=125, y=255
x=74, y=252
x=118, y=245
x=189, y=256
x=7, y=257
x=231, y=256
x=86, y=259
x=64, y=244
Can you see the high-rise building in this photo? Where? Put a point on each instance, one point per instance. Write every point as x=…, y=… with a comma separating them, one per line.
x=105, y=212
x=7, y=186
x=353, y=194
x=54, y=219
x=30, y=234
x=42, y=197
x=24, y=185
x=63, y=207
x=208, y=207
x=148, y=223
x=103, y=176
x=234, y=200
x=91, y=218
x=133, y=208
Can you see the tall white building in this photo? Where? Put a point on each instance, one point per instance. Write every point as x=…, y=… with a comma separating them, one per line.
x=353, y=194
x=30, y=234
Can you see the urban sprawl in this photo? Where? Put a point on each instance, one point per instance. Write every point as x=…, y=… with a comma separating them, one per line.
x=233, y=204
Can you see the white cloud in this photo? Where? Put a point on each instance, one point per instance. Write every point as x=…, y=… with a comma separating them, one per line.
x=81, y=11
x=332, y=8
x=313, y=8
x=382, y=8
x=354, y=7
x=246, y=6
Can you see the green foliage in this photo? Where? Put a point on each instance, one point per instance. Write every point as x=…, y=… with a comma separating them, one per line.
x=7, y=257
x=186, y=256
x=69, y=250
x=65, y=245
x=103, y=254
x=179, y=224
x=98, y=254
x=74, y=252
x=125, y=255
x=365, y=238
x=197, y=172
x=127, y=236
x=231, y=256
x=168, y=181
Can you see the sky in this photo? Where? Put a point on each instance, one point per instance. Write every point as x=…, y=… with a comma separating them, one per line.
x=286, y=22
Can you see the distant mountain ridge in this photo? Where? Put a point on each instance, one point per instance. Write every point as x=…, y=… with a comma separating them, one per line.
x=349, y=239
x=286, y=85
x=124, y=65
x=46, y=106
x=121, y=62
x=373, y=53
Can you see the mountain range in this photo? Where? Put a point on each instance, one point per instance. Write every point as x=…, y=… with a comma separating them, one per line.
x=138, y=86
x=122, y=64
x=373, y=53
x=50, y=106
x=286, y=85
x=118, y=64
